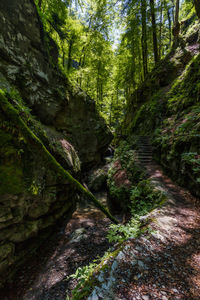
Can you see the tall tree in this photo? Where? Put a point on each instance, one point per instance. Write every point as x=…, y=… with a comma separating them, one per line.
x=176, y=28
x=40, y=3
x=153, y=20
x=144, y=36
x=169, y=26
x=160, y=29
x=197, y=7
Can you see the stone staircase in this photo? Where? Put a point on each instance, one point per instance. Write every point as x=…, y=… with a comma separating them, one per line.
x=144, y=150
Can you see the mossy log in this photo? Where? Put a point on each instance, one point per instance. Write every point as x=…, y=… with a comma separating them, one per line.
x=31, y=138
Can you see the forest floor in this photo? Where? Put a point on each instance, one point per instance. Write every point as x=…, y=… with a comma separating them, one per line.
x=166, y=263
x=163, y=265
x=72, y=245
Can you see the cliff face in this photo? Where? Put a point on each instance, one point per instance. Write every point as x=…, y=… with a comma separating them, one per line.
x=166, y=108
x=32, y=196
x=28, y=60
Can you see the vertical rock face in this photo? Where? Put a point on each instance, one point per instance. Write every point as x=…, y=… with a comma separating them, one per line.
x=32, y=196
x=28, y=60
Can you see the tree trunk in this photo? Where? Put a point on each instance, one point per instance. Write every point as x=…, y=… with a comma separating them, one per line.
x=197, y=7
x=110, y=114
x=144, y=36
x=32, y=139
x=160, y=29
x=176, y=28
x=40, y=3
x=70, y=55
x=63, y=54
x=153, y=20
x=170, y=26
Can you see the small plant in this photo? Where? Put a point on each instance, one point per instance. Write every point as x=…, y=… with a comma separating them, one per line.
x=85, y=279
x=120, y=233
x=192, y=160
x=145, y=198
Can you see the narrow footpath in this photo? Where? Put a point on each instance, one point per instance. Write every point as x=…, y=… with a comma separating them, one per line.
x=163, y=265
x=72, y=245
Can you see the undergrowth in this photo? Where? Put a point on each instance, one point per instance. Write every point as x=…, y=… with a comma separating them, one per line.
x=143, y=198
x=86, y=275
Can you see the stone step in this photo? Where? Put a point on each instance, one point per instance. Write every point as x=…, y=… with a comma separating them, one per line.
x=144, y=151
x=143, y=159
x=145, y=162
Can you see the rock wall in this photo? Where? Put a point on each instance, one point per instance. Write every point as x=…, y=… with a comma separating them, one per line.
x=28, y=60
x=166, y=108
x=32, y=196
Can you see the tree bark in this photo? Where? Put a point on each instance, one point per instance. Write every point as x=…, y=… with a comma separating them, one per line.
x=197, y=7
x=69, y=63
x=162, y=4
x=170, y=26
x=144, y=37
x=40, y=3
x=176, y=28
x=155, y=42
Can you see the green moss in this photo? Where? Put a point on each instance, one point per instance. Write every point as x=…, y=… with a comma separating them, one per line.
x=185, y=91
x=11, y=179
x=33, y=140
x=4, y=138
x=11, y=171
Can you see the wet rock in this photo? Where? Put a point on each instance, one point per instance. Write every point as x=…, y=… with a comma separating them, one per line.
x=97, y=179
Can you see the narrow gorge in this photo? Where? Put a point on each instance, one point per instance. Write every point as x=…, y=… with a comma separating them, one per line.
x=99, y=150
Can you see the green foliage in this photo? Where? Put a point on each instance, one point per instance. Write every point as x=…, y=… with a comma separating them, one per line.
x=192, y=160
x=84, y=276
x=185, y=91
x=31, y=138
x=120, y=233
x=126, y=158
x=141, y=197
x=144, y=198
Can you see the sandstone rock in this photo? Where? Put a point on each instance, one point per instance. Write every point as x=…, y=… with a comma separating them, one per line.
x=32, y=196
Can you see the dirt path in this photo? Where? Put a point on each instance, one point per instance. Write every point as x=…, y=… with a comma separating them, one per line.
x=73, y=245
x=164, y=265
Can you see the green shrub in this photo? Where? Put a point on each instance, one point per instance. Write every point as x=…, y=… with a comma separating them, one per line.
x=145, y=198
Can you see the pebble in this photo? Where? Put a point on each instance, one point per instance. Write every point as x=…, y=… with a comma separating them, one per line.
x=141, y=265
x=175, y=290
x=93, y=296
x=146, y=297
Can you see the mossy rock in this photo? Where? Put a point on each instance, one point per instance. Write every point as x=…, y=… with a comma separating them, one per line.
x=98, y=180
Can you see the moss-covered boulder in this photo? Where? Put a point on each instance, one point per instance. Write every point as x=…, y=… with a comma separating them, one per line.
x=33, y=196
x=26, y=63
